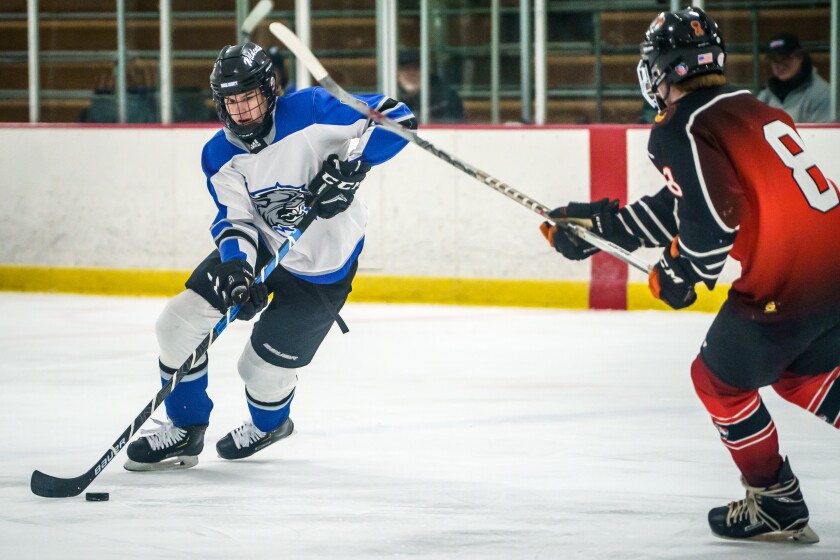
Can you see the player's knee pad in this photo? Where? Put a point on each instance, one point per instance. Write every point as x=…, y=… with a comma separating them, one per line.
x=718, y=397
x=265, y=382
x=183, y=324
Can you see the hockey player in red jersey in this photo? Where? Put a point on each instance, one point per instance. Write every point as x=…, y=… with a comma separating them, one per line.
x=739, y=182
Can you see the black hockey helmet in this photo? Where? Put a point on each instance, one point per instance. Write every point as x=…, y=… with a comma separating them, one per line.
x=677, y=46
x=240, y=69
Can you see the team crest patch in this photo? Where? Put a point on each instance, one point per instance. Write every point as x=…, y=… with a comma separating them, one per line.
x=681, y=69
x=281, y=206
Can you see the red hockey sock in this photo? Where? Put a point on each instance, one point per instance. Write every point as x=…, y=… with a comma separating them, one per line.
x=744, y=423
x=818, y=394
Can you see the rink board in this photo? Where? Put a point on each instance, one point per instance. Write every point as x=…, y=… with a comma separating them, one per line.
x=125, y=210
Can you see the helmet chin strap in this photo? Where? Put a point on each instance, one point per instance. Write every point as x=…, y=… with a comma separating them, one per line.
x=256, y=140
x=660, y=101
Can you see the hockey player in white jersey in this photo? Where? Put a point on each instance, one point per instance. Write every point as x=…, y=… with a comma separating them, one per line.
x=263, y=169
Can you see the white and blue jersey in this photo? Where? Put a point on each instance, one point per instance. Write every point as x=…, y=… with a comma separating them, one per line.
x=260, y=196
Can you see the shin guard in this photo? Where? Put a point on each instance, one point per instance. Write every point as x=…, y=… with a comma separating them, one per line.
x=744, y=424
x=269, y=389
x=184, y=322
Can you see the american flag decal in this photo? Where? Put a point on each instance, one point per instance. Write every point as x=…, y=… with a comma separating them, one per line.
x=705, y=58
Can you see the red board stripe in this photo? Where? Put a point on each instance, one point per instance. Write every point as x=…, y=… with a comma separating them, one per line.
x=608, y=178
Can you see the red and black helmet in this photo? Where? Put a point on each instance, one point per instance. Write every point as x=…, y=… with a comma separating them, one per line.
x=677, y=46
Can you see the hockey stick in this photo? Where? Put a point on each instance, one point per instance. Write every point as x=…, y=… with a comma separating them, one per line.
x=318, y=72
x=55, y=487
x=256, y=15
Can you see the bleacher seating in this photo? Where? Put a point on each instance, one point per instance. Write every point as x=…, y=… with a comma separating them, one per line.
x=344, y=36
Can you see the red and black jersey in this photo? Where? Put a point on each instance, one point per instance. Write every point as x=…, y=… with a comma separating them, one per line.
x=740, y=181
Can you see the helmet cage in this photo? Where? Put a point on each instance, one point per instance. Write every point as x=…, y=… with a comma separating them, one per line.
x=646, y=84
x=242, y=69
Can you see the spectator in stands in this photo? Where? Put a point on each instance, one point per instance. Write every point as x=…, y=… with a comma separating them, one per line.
x=284, y=82
x=141, y=101
x=445, y=104
x=188, y=104
x=795, y=86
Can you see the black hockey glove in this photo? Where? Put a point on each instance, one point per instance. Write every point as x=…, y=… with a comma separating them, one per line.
x=600, y=217
x=671, y=279
x=336, y=182
x=233, y=281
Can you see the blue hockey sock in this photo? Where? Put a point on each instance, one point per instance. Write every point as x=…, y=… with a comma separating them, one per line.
x=267, y=417
x=188, y=403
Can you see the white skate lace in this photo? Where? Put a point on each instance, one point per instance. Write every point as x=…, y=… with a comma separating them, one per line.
x=741, y=509
x=749, y=506
x=165, y=435
x=246, y=434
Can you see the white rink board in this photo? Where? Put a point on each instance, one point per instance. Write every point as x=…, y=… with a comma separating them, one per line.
x=104, y=197
x=136, y=198
x=430, y=219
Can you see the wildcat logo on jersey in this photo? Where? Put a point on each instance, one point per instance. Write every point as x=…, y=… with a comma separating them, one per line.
x=281, y=206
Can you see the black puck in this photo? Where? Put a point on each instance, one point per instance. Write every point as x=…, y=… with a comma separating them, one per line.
x=97, y=496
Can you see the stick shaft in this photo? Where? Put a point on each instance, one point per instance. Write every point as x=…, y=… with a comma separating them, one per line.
x=255, y=16
x=48, y=486
x=318, y=72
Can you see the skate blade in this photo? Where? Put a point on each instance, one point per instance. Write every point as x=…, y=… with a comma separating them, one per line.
x=805, y=535
x=171, y=464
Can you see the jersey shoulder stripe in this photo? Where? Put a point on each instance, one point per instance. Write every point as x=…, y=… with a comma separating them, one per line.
x=217, y=152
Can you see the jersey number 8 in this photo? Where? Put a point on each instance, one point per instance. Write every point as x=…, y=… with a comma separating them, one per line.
x=819, y=191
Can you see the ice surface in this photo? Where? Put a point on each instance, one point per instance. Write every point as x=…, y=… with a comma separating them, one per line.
x=427, y=432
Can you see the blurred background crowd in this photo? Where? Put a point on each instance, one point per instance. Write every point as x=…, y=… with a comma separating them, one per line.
x=779, y=50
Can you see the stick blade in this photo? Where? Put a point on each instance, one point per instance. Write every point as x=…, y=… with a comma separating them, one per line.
x=301, y=51
x=48, y=486
x=256, y=16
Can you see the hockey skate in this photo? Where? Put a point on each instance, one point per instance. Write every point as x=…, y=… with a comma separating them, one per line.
x=167, y=447
x=774, y=513
x=247, y=439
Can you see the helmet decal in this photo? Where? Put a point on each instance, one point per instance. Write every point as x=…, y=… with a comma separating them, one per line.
x=698, y=29
x=248, y=54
